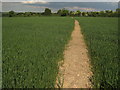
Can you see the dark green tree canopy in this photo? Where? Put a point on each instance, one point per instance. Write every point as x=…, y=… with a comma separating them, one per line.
x=47, y=11
x=11, y=13
x=65, y=12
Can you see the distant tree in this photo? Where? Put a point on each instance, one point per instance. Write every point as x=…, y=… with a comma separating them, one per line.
x=108, y=13
x=59, y=12
x=27, y=14
x=72, y=13
x=47, y=11
x=11, y=13
x=64, y=12
x=77, y=13
x=89, y=14
x=83, y=13
x=102, y=13
x=20, y=14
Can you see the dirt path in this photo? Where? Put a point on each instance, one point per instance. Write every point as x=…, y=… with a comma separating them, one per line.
x=75, y=70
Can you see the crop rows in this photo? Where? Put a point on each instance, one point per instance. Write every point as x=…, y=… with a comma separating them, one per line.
x=101, y=35
x=32, y=48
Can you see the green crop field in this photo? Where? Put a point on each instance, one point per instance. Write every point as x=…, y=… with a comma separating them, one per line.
x=101, y=35
x=32, y=48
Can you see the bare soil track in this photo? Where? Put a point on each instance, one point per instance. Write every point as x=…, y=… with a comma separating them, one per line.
x=75, y=70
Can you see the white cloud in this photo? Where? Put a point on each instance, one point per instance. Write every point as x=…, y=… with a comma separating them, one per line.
x=34, y=1
x=80, y=8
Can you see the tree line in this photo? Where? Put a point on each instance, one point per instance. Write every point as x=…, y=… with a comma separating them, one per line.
x=64, y=12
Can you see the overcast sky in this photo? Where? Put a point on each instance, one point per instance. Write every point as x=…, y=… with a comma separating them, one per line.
x=36, y=8
x=63, y=0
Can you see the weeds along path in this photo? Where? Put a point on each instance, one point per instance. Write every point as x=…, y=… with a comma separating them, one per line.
x=75, y=70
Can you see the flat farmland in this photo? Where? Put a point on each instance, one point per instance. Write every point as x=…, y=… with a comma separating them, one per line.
x=101, y=36
x=32, y=48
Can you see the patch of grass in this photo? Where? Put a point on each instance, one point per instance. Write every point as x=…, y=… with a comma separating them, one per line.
x=32, y=48
x=101, y=35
